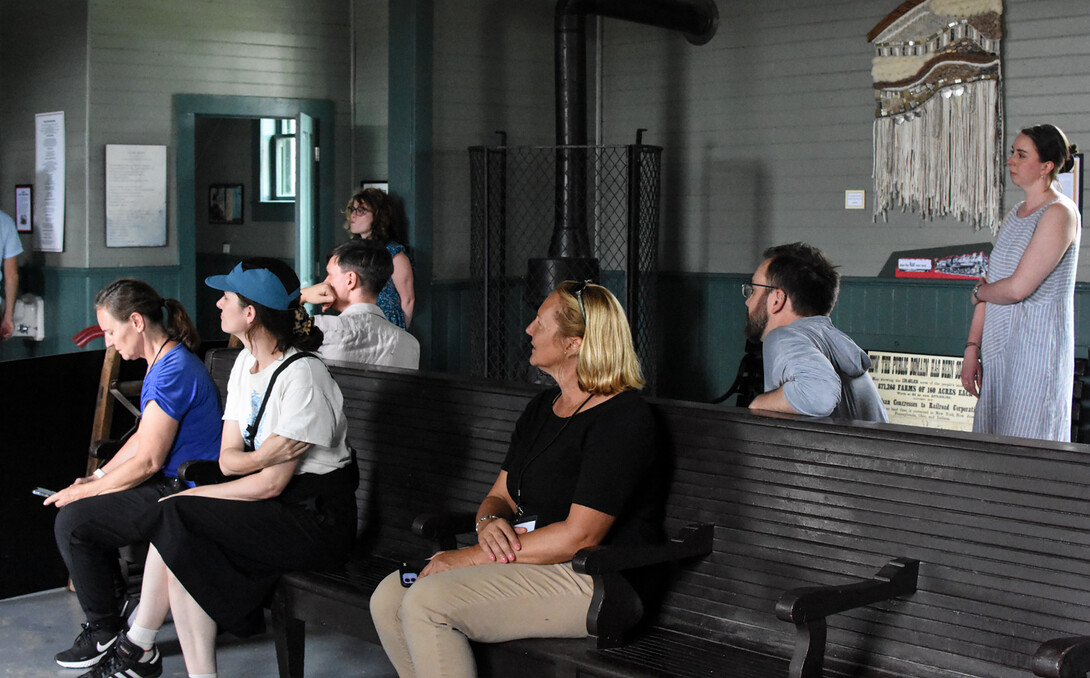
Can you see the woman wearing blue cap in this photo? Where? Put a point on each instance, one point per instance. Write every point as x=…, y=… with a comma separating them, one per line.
x=217, y=550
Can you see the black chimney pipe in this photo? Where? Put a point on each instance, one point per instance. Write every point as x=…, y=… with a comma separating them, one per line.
x=569, y=249
x=697, y=19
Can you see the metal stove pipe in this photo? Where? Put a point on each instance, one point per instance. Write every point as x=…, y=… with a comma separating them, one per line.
x=697, y=19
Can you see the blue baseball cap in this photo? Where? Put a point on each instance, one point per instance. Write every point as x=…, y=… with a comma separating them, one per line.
x=257, y=284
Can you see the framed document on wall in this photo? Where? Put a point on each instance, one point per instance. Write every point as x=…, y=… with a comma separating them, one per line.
x=24, y=208
x=136, y=195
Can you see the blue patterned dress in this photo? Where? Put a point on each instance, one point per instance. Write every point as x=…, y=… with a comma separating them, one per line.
x=1028, y=348
x=388, y=299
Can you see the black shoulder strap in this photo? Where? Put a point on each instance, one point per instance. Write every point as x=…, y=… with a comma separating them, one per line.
x=251, y=430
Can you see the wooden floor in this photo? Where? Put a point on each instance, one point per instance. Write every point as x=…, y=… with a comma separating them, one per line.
x=35, y=627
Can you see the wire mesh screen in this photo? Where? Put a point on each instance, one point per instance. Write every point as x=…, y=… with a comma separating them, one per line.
x=519, y=198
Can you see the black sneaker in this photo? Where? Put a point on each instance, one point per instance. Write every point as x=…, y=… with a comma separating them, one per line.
x=91, y=645
x=128, y=660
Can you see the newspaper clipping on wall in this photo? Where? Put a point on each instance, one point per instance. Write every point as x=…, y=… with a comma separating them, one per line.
x=923, y=390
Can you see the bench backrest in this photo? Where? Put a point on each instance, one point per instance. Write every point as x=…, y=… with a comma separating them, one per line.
x=1002, y=529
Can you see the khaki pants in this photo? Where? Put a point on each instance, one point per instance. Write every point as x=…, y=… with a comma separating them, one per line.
x=425, y=629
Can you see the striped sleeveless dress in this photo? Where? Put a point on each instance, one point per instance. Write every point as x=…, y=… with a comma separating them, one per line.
x=1028, y=348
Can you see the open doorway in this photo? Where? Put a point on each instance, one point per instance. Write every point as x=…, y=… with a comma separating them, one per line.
x=217, y=141
x=244, y=199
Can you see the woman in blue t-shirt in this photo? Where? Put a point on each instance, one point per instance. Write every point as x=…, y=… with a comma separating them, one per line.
x=368, y=215
x=180, y=420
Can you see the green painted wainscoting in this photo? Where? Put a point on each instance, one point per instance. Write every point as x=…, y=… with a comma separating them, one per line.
x=69, y=294
x=703, y=315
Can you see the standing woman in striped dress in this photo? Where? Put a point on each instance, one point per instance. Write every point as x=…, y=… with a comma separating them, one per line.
x=1019, y=359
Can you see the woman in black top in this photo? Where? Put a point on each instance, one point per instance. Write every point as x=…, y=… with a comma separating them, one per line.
x=574, y=477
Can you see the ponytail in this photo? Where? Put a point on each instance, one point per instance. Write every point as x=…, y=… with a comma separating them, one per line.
x=178, y=325
x=305, y=334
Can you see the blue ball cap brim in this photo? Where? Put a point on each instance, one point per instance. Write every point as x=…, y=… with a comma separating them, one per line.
x=259, y=285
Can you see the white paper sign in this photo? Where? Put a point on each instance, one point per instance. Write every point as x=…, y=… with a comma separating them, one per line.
x=49, y=167
x=136, y=196
x=923, y=390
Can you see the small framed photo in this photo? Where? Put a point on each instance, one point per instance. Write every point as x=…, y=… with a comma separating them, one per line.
x=24, y=208
x=225, y=204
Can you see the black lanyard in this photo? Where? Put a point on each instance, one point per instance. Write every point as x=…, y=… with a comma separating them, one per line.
x=533, y=457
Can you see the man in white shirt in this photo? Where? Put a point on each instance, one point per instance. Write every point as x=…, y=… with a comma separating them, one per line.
x=357, y=271
x=10, y=248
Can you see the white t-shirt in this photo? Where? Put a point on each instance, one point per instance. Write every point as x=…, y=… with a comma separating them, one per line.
x=362, y=334
x=306, y=405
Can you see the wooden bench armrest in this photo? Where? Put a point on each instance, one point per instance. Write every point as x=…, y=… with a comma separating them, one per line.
x=692, y=541
x=202, y=472
x=1063, y=658
x=615, y=607
x=897, y=578
x=444, y=528
x=808, y=607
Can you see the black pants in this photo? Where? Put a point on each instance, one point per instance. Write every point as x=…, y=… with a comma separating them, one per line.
x=90, y=531
x=229, y=554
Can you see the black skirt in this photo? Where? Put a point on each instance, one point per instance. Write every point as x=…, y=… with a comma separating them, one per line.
x=229, y=554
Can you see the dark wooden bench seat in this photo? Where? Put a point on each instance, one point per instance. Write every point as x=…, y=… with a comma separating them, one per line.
x=1000, y=528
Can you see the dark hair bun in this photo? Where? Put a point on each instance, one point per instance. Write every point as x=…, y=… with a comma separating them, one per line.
x=1072, y=149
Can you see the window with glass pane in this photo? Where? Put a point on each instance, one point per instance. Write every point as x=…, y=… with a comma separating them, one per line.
x=284, y=170
x=278, y=160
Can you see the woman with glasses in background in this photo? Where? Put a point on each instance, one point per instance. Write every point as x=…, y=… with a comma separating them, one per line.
x=578, y=473
x=369, y=216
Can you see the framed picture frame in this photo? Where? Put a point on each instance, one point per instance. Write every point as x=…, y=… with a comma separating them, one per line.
x=380, y=184
x=225, y=204
x=24, y=208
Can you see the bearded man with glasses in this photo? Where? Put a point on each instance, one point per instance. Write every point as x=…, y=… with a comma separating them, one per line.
x=810, y=367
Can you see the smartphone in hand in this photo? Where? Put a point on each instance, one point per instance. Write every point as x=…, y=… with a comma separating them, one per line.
x=410, y=571
x=42, y=492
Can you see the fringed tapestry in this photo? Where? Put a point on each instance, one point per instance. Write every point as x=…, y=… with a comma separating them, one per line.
x=938, y=134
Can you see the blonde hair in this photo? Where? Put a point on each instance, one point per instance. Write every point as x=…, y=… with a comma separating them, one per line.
x=607, y=360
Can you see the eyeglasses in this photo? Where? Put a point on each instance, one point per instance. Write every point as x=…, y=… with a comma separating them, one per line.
x=359, y=211
x=747, y=288
x=579, y=298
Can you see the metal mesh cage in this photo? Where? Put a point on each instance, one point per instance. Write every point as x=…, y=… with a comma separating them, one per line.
x=521, y=200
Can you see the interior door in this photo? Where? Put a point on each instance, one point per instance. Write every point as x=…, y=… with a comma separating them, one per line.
x=306, y=235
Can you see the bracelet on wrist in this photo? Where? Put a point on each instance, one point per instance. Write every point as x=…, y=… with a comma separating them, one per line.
x=976, y=293
x=99, y=473
x=477, y=527
x=972, y=343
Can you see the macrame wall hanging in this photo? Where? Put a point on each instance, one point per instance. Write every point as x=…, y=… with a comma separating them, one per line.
x=938, y=135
